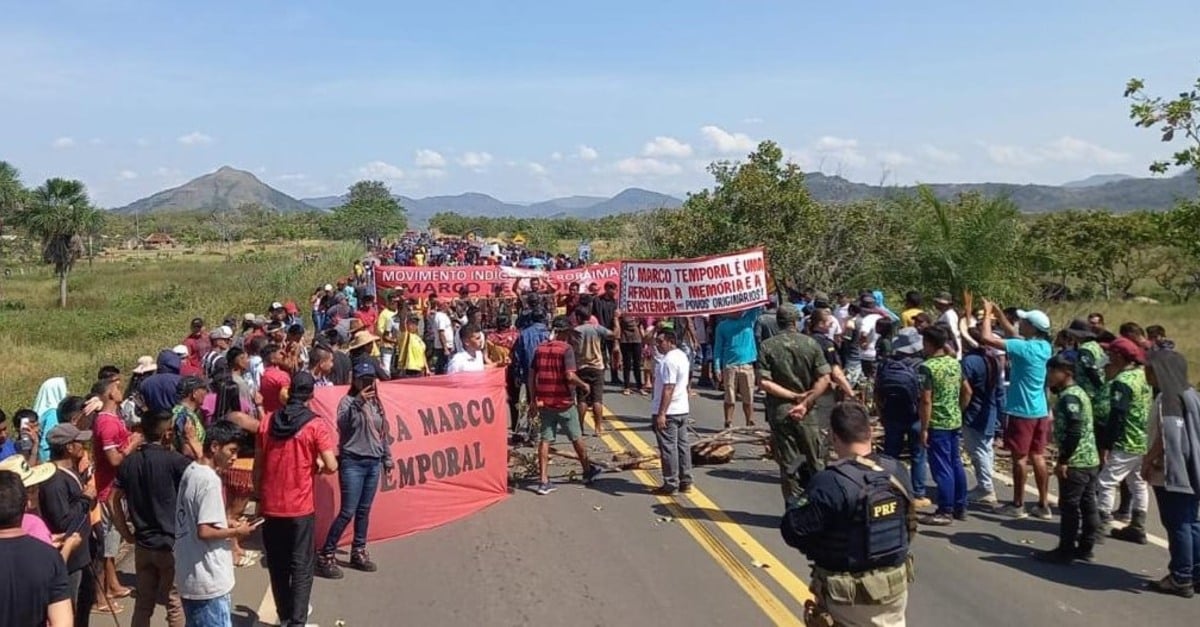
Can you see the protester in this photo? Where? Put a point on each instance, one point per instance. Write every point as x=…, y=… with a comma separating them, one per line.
x=588, y=339
x=1172, y=467
x=147, y=483
x=203, y=562
x=112, y=444
x=49, y=395
x=604, y=308
x=1029, y=425
x=362, y=453
x=1124, y=441
x=734, y=355
x=898, y=401
x=794, y=375
x=66, y=500
x=944, y=396
x=629, y=339
x=983, y=370
x=472, y=357
x=670, y=408
x=1078, y=466
x=36, y=590
x=553, y=382
x=947, y=315
x=32, y=522
x=293, y=444
x=159, y=389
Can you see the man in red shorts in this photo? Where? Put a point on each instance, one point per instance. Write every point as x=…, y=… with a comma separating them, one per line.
x=1029, y=423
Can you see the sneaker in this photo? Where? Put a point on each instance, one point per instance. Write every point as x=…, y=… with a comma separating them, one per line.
x=1054, y=556
x=922, y=503
x=1014, y=511
x=936, y=520
x=984, y=497
x=360, y=560
x=545, y=488
x=664, y=490
x=685, y=488
x=1168, y=585
x=960, y=514
x=1042, y=512
x=591, y=473
x=1085, y=554
x=327, y=567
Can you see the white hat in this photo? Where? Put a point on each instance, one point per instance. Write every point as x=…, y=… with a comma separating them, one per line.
x=180, y=350
x=276, y=305
x=328, y=287
x=221, y=333
x=145, y=364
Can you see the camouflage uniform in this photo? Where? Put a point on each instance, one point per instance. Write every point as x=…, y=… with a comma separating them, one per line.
x=795, y=362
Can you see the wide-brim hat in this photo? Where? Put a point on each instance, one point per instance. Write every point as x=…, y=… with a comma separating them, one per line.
x=145, y=364
x=30, y=475
x=361, y=339
x=908, y=342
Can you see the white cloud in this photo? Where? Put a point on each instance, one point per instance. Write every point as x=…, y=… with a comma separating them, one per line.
x=126, y=175
x=666, y=147
x=938, y=155
x=843, y=150
x=556, y=156
x=727, y=143
x=536, y=168
x=641, y=166
x=893, y=159
x=475, y=160
x=380, y=170
x=195, y=138
x=63, y=142
x=430, y=159
x=1062, y=150
x=587, y=153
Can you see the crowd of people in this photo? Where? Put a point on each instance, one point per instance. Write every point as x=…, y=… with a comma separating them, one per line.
x=426, y=249
x=166, y=456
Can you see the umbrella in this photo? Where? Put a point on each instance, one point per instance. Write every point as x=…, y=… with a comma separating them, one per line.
x=533, y=262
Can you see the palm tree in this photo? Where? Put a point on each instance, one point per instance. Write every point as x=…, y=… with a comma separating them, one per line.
x=60, y=213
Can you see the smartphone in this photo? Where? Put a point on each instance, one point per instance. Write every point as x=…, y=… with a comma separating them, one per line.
x=24, y=424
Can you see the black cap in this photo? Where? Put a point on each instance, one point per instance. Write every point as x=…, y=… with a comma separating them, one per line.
x=302, y=387
x=1060, y=361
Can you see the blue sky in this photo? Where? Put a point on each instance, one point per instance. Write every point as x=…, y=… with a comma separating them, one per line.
x=530, y=100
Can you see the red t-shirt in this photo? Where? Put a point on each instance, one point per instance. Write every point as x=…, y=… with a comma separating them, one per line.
x=288, y=467
x=108, y=432
x=274, y=381
x=368, y=316
x=552, y=362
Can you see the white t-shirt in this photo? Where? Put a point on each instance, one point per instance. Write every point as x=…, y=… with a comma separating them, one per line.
x=445, y=329
x=673, y=368
x=203, y=568
x=462, y=361
x=866, y=329
x=950, y=317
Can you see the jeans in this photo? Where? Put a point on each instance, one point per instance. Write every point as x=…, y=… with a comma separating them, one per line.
x=979, y=449
x=675, y=451
x=318, y=320
x=216, y=612
x=631, y=362
x=1179, y=517
x=155, y=586
x=946, y=466
x=1077, y=506
x=291, y=556
x=358, y=478
x=897, y=437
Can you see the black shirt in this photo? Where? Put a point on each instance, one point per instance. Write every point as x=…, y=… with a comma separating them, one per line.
x=150, y=480
x=34, y=577
x=605, y=309
x=343, y=367
x=66, y=510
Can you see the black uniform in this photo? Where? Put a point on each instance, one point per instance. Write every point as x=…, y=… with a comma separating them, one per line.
x=854, y=524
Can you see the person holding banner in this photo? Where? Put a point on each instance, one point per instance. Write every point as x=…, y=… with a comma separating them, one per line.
x=553, y=383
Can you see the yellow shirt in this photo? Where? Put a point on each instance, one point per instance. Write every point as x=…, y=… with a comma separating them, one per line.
x=385, y=321
x=906, y=316
x=414, y=359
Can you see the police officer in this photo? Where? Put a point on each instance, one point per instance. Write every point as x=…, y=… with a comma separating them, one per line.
x=794, y=374
x=854, y=523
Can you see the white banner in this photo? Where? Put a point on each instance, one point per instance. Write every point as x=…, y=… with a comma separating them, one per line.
x=688, y=287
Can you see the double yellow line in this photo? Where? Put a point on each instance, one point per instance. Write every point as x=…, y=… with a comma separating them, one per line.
x=737, y=568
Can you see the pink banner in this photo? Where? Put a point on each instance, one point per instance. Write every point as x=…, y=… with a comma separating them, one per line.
x=481, y=280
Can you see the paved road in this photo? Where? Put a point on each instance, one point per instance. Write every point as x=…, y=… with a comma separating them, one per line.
x=615, y=555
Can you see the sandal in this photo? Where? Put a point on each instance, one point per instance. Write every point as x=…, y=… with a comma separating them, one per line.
x=127, y=593
x=111, y=608
x=246, y=560
x=626, y=392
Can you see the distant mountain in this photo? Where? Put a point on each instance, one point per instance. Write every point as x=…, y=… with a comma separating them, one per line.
x=1119, y=196
x=1098, y=179
x=223, y=190
x=420, y=210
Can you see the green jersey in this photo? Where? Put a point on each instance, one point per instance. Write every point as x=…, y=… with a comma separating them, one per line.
x=1073, y=422
x=942, y=376
x=1089, y=375
x=1129, y=411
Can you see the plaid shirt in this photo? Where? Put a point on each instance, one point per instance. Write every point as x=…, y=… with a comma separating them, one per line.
x=552, y=362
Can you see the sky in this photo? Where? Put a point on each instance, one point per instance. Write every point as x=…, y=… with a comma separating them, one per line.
x=532, y=100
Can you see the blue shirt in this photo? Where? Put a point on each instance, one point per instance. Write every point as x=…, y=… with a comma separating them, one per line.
x=47, y=421
x=1027, y=378
x=8, y=449
x=983, y=412
x=735, y=344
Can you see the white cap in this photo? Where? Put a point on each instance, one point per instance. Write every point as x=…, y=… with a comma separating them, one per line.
x=180, y=350
x=328, y=287
x=276, y=305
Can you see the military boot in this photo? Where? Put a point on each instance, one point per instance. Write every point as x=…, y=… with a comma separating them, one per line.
x=1135, y=531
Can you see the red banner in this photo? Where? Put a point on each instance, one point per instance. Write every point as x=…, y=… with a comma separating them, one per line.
x=448, y=436
x=481, y=280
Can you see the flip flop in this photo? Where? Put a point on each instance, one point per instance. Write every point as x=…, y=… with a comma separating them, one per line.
x=126, y=594
x=111, y=608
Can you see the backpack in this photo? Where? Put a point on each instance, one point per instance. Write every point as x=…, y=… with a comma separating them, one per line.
x=882, y=518
x=899, y=390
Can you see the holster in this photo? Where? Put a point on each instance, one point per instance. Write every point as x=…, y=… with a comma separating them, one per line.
x=873, y=587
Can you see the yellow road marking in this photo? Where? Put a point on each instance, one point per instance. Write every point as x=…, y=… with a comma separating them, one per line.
x=753, y=548
x=766, y=600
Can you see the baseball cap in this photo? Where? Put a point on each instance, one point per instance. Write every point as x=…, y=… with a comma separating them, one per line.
x=328, y=287
x=290, y=307
x=943, y=298
x=249, y=317
x=1128, y=350
x=66, y=433
x=787, y=314
x=1035, y=317
x=180, y=350
x=364, y=369
x=221, y=333
x=276, y=305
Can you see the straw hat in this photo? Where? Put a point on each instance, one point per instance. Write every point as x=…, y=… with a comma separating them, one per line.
x=30, y=476
x=362, y=338
x=145, y=364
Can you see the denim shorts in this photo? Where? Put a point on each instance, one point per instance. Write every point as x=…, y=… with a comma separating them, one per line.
x=216, y=612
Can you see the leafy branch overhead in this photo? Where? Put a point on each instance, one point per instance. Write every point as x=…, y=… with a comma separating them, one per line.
x=1178, y=117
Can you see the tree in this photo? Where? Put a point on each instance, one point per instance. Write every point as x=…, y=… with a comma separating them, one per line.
x=1177, y=117
x=13, y=197
x=370, y=213
x=59, y=213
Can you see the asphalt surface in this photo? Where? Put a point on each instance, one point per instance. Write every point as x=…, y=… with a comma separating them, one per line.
x=613, y=554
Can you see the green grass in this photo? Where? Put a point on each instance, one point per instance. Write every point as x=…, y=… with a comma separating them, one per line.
x=123, y=307
x=1180, y=321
